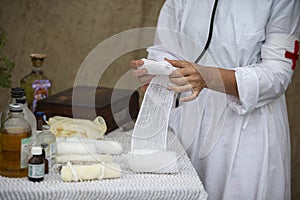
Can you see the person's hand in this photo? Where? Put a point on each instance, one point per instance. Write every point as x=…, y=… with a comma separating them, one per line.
x=186, y=78
x=141, y=74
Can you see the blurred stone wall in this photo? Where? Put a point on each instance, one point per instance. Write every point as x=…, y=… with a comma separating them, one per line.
x=68, y=30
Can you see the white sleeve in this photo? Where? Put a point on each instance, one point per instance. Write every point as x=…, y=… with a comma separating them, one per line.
x=166, y=42
x=261, y=83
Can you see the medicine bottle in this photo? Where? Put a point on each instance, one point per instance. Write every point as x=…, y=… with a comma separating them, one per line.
x=40, y=120
x=46, y=137
x=18, y=96
x=36, y=165
x=15, y=143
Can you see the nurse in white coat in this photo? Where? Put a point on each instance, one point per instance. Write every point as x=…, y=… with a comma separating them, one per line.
x=232, y=119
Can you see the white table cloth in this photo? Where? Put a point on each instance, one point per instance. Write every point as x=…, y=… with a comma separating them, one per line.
x=184, y=185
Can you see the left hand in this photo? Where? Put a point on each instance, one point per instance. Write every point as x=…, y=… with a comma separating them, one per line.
x=187, y=78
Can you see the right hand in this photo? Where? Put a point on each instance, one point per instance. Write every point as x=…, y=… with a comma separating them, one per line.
x=142, y=74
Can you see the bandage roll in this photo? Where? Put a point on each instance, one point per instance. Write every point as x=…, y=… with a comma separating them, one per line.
x=90, y=172
x=85, y=147
x=153, y=161
x=83, y=158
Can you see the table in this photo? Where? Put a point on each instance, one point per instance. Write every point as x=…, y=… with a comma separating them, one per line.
x=183, y=185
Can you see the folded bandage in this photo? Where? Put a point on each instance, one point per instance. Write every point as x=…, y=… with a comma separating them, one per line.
x=68, y=127
x=90, y=172
x=153, y=161
x=157, y=67
x=82, y=146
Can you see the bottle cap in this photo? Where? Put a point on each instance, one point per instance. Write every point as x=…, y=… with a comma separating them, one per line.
x=36, y=150
x=15, y=107
x=37, y=59
x=17, y=92
x=39, y=113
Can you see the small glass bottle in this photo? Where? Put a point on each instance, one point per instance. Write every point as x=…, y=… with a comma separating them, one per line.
x=15, y=144
x=46, y=137
x=40, y=120
x=36, y=165
x=36, y=84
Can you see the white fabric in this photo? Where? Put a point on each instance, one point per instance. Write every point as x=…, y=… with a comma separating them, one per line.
x=153, y=161
x=157, y=68
x=142, y=186
x=250, y=156
x=151, y=128
x=82, y=146
x=90, y=172
x=69, y=127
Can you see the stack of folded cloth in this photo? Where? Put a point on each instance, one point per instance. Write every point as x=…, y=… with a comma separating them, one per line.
x=78, y=144
x=86, y=150
x=94, y=157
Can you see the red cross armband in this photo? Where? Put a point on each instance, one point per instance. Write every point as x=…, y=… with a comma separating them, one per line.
x=293, y=55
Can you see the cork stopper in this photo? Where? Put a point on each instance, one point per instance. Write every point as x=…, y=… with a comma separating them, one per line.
x=37, y=59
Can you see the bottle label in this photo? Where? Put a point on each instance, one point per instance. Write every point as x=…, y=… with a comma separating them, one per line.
x=41, y=91
x=25, y=152
x=51, y=154
x=36, y=171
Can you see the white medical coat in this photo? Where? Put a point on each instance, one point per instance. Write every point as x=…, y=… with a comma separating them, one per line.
x=240, y=147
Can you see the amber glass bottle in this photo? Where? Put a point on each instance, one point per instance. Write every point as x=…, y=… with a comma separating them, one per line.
x=15, y=143
x=36, y=84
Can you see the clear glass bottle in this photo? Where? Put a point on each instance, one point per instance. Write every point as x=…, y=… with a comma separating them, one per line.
x=48, y=140
x=15, y=144
x=36, y=84
x=36, y=165
x=29, y=117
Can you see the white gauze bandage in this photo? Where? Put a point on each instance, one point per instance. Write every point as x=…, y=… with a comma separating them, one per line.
x=150, y=132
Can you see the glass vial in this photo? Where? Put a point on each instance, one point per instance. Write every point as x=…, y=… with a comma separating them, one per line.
x=36, y=165
x=15, y=143
x=48, y=139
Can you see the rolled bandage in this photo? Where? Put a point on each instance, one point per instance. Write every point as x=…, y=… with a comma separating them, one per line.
x=83, y=158
x=82, y=146
x=153, y=161
x=157, y=67
x=90, y=172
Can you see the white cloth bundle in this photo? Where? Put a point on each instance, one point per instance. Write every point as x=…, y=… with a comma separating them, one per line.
x=153, y=161
x=149, y=139
x=90, y=172
x=83, y=146
x=74, y=158
x=68, y=127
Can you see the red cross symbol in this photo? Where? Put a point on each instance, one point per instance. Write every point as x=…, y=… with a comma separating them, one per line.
x=293, y=55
